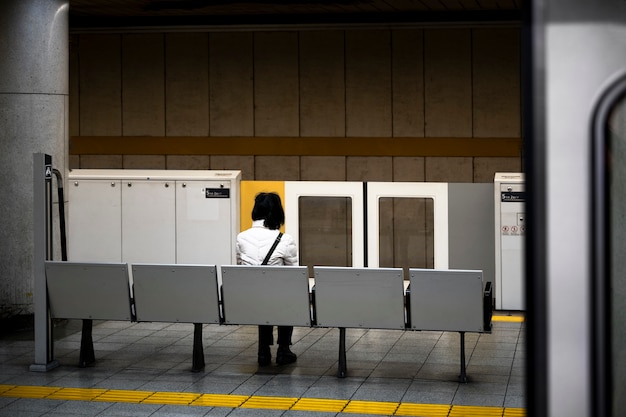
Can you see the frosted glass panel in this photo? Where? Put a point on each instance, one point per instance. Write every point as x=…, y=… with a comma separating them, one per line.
x=406, y=232
x=325, y=231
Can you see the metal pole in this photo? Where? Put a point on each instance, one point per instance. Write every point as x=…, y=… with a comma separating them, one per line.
x=342, y=368
x=62, y=232
x=42, y=250
x=463, y=376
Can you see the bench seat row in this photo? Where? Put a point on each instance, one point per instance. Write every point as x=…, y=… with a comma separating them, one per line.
x=338, y=297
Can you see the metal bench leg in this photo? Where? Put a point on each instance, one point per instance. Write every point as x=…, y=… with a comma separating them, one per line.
x=87, y=355
x=198, y=350
x=342, y=368
x=463, y=376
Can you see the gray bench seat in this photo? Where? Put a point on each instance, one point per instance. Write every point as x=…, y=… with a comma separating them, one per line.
x=338, y=297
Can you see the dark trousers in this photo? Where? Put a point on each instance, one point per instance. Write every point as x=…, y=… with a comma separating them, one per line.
x=266, y=335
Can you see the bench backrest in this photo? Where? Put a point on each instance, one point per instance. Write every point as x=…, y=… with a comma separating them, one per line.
x=359, y=297
x=449, y=300
x=88, y=290
x=176, y=293
x=348, y=297
x=262, y=294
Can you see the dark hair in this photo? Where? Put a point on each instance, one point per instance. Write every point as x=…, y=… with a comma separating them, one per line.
x=268, y=207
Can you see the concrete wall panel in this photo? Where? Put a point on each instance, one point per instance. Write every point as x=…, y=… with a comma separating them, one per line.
x=187, y=84
x=276, y=97
x=144, y=161
x=407, y=168
x=448, y=82
x=323, y=168
x=100, y=84
x=231, y=84
x=485, y=168
x=386, y=83
x=322, y=84
x=101, y=162
x=188, y=161
x=496, y=83
x=243, y=163
x=74, y=68
x=143, y=96
x=408, y=83
x=368, y=83
x=369, y=168
x=277, y=168
x=449, y=169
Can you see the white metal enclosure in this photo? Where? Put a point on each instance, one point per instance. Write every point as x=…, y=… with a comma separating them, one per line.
x=510, y=231
x=153, y=216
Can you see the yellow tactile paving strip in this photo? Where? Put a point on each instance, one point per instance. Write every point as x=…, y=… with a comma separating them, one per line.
x=256, y=402
x=509, y=319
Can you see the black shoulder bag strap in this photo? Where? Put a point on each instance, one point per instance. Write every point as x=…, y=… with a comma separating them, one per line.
x=267, y=257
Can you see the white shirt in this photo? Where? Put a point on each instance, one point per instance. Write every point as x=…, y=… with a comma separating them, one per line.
x=254, y=244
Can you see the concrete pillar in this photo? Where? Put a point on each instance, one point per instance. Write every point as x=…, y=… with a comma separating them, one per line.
x=34, y=94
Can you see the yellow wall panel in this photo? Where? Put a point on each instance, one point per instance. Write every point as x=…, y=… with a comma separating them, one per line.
x=249, y=190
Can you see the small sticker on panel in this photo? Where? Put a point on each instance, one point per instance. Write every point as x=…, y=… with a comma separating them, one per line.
x=513, y=196
x=217, y=192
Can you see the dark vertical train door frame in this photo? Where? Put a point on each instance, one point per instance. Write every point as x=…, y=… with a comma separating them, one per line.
x=573, y=71
x=602, y=369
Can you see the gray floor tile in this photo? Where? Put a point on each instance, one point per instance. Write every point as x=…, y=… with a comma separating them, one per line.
x=428, y=397
x=21, y=413
x=256, y=412
x=294, y=413
x=383, y=365
x=476, y=387
x=164, y=386
x=485, y=400
x=515, y=401
x=126, y=384
x=31, y=405
x=84, y=408
x=129, y=410
x=181, y=411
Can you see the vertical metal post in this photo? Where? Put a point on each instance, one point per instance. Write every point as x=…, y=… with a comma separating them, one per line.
x=463, y=376
x=42, y=251
x=198, y=351
x=342, y=368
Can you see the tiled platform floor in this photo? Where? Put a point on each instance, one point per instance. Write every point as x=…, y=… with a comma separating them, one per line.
x=388, y=366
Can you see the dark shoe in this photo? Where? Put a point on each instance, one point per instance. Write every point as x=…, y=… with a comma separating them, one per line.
x=285, y=356
x=265, y=356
